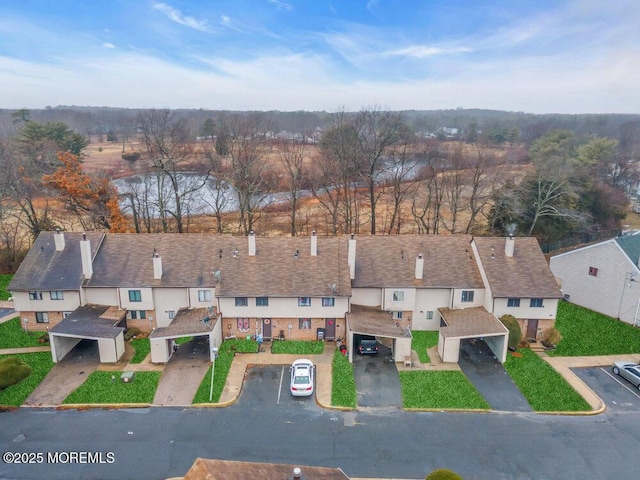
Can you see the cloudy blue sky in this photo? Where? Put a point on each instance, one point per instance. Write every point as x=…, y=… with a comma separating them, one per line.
x=540, y=56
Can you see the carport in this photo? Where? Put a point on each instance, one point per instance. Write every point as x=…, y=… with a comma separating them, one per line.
x=90, y=322
x=196, y=322
x=475, y=322
x=378, y=323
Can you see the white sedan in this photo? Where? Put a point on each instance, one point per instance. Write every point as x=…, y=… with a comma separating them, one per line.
x=302, y=378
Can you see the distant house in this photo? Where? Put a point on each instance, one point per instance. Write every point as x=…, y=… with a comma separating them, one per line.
x=603, y=277
x=218, y=286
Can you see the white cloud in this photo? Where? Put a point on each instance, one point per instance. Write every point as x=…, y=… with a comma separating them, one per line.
x=281, y=5
x=424, y=51
x=175, y=15
x=108, y=45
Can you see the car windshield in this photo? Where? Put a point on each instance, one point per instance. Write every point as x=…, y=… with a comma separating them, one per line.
x=301, y=379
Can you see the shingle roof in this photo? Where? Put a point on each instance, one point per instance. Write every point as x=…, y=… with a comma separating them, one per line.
x=630, y=245
x=470, y=322
x=44, y=268
x=373, y=321
x=187, y=322
x=233, y=470
x=192, y=260
x=88, y=321
x=526, y=274
x=390, y=261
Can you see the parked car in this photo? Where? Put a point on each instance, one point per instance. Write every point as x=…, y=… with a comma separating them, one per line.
x=628, y=370
x=302, y=371
x=366, y=345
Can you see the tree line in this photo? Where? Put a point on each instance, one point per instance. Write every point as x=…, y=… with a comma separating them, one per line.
x=365, y=172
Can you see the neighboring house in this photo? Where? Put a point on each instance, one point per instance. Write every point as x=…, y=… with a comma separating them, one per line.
x=603, y=277
x=179, y=285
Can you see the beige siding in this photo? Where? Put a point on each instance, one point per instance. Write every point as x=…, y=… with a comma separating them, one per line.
x=146, y=295
x=168, y=300
x=478, y=298
x=102, y=296
x=406, y=305
x=69, y=303
x=284, y=307
x=546, y=312
x=369, y=297
x=429, y=300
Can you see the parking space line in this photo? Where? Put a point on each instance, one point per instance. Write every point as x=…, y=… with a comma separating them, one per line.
x=280, y=387
x=620, y=380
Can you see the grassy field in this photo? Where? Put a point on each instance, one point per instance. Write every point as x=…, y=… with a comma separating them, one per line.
x=12, y=335
x=142, y=346
x=588, y=333
x=343, y=383
x=40, y=364
x=5, y=278
x=421, y=341
x=298, y=347
x=100, y=387
x=439, y=389
x=542, y=386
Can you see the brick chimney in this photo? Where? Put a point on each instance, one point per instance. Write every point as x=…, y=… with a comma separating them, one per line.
x=314, y=244
x=252, y=244
x=85, y=256
x=351, y=257
x=58, y=239
x=157, y=266
x=419, y=267
x=509, y=246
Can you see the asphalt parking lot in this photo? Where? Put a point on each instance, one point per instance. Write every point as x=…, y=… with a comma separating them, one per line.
x=616, y=393
x=267, y=386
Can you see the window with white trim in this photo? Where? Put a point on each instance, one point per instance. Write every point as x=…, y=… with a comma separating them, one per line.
x=467, y=296
x=304, y=323
x=136, y=314
x=35, y=295
x=204, y=295
x=172, y=314
x=262, y=301
x=536, y=303
x=397, y=296
x=242, y=302
x=135, y=296
x=56, y=295
x=304, y=301
x=397, y=315
x=42, y=317
x=328, y=302
x=430, y=315
x=513, y=302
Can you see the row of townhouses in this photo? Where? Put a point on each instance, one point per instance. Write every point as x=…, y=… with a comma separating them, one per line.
x=95, y=285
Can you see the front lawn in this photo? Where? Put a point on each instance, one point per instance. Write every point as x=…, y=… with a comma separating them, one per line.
x=298, y=347
x=5, y=278
x=227, y=351
x=422, y=340
x=106, y=387
x=142, y=346
x=542, y=386
x=40, y=364
x=343, y=382
x=439, y=389
x=12, y=335
x=588, y=333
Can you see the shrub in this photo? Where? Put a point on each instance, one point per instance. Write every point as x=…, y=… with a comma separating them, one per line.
x=551, y=336
x=131, y=156
x=129, y=333
x=13, y=370
x=44, y=338
x=515, y=332
x=443, y=474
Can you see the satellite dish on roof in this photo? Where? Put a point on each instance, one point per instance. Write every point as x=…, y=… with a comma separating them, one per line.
x=217, y=275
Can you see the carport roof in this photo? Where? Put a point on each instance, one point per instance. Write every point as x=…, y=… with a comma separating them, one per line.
x=373, y=321
x=187, y=322
x=91, y=321
x=234, y=470
x=470, y=322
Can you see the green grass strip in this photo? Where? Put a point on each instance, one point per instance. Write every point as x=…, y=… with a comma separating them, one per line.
x=142, y=347
x=298, y=347
x=106, y=387
x=12, y=335
x=40, y=364
x=588, y=333
x=343, y=382
x=5, y=278
x=544, y=388
x=440, y=389
x=421, y=341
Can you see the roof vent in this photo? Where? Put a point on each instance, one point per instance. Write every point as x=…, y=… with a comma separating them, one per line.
x=297, y=473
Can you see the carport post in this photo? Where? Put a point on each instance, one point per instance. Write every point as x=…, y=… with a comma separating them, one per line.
x=214, y=350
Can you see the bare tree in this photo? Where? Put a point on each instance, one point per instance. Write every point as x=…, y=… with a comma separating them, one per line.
x=167, y=141
x=429, y=197
x=400, y=183
x=292, y=156
x=218, y=191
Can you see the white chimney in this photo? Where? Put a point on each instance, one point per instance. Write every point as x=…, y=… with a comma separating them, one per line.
x=419, y=267
x=85, y=256
x=314, y=244
x=252, y=244
x=351, y=257
x=58, y=239
x=157, y=266
x=509, y=246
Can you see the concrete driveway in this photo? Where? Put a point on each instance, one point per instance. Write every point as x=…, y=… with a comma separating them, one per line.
x=183, y=374
x=66, y=375
x=487, y=374
x=377, y=379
